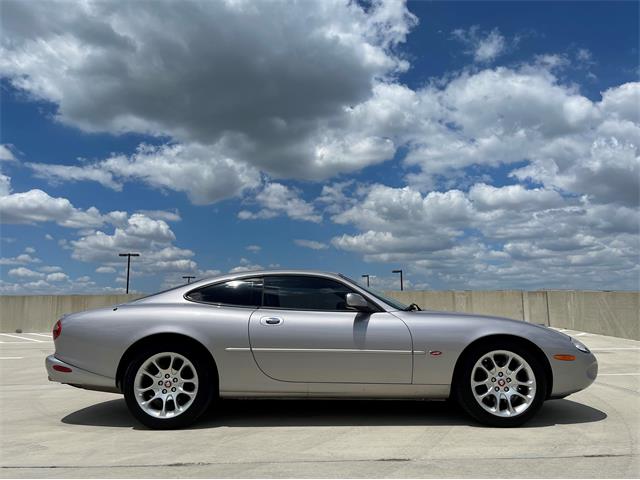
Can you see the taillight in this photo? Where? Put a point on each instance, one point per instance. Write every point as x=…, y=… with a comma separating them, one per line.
x=57, y=329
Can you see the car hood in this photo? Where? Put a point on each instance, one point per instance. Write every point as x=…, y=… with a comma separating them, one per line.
x=426, y=315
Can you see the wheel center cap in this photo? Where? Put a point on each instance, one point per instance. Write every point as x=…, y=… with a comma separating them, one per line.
x=501, y=382
x=167, y=384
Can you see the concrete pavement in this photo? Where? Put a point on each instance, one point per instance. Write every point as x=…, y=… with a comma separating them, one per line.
x=50, y=430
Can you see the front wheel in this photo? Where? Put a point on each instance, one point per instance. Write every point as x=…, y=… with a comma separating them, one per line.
x=167, y=386
x=501, y=385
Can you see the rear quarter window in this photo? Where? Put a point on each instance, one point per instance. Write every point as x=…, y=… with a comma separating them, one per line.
x=237, y=293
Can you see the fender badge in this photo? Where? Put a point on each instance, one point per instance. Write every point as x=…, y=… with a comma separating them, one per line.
x=435, y=353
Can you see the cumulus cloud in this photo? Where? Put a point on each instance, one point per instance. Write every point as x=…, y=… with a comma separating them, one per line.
x=483, y=46
x=278, y=199
x=23, y=272
x=241, y=90
x=36, y=206
x=21, y=259
x=57, y=277
x=105, y=270
x=495, y=236
x=266, y=85
x=245, y=266
x=312, y=244
x=201, y=172
x=5, y=185
x=6, y=155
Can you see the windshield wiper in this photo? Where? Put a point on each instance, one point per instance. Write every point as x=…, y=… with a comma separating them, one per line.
x=414, y=307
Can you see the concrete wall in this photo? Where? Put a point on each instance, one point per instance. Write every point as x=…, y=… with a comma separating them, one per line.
x=38, y=313
x=607, y=313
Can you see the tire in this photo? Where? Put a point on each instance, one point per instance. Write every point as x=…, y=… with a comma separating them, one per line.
x=169, y=385
x=517, y=374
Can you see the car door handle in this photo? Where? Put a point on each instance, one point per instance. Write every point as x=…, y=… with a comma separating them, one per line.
x=271, y=321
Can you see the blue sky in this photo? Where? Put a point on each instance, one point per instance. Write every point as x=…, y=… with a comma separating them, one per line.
x=484, y=145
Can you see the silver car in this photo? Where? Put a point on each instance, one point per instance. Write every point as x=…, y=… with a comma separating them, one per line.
x=291, y=333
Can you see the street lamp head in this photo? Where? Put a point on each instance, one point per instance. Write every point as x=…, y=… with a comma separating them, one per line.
x=396, y=271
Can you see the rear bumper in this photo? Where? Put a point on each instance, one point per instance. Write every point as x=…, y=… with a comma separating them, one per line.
x=77, y=377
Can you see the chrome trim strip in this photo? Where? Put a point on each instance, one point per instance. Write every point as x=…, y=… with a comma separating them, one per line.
x=237, y=349
x=330, y=350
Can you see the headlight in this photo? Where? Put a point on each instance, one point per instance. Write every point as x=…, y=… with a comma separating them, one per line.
x=579, y=345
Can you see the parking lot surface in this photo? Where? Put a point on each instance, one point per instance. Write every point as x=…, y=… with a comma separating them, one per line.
x=51, y=430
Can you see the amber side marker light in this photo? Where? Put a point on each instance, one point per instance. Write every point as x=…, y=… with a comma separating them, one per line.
x=565, y=358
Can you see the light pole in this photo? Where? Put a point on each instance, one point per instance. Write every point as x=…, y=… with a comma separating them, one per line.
x=128, y=255
x=401, y=283
x=188, y=278
x=367, y=277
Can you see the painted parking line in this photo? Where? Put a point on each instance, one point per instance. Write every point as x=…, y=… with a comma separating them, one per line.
x=605, y=349
x=21, y=338
x=11, y=358
x=47, y=335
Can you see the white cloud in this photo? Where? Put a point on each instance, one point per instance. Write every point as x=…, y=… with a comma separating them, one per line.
x=273, y=87
x=50, y=269
x=254, y=248
x=483, y=46
x=23, y=272
x=21, y=259
x=105, y=270
x=312, y=244
x=5, y=185
x=57, y=277
x=166, y=215
x=514, y=198
x=73, y=173
x=37, y=206
x=200, y=171
x=245, y=266
x=277, y=199
x=6, y=155
x=491, y=236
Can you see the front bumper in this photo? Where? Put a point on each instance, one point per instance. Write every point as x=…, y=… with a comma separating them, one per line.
x=571, y=377
x=78, y=377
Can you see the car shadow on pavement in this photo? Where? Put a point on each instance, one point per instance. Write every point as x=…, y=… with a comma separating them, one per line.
x=308, y=413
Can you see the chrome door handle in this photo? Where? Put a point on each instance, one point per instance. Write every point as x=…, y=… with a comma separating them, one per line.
x=271, y=321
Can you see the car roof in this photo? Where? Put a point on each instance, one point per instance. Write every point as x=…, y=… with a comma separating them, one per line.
x=181, y=290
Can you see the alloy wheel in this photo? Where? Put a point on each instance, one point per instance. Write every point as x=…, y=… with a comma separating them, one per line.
x=503, y=383
x=166, y=384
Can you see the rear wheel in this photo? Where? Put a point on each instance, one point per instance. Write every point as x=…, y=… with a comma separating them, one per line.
x=501, y=385
x=168, y=386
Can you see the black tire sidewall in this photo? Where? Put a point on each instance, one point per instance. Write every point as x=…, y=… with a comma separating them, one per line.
x=467, y=400
x=206, y=387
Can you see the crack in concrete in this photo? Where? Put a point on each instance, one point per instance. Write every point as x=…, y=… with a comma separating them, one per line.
x=361, y=460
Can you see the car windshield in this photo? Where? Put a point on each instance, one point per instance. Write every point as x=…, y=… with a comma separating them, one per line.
x=379, y=295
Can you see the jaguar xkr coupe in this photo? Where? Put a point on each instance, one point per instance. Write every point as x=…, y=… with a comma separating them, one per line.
x=291, y=333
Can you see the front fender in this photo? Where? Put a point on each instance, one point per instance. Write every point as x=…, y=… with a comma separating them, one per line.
x=451, y=334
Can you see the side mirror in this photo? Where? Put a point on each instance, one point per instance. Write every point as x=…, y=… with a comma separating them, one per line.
x=357, y=302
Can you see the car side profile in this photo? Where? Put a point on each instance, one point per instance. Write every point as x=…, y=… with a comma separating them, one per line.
x=290, y=333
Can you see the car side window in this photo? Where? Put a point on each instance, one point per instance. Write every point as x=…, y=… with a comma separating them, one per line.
x=245, y=292
x=305, y=293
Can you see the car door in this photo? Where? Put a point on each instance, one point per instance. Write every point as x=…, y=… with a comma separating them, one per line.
x=304, y=332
